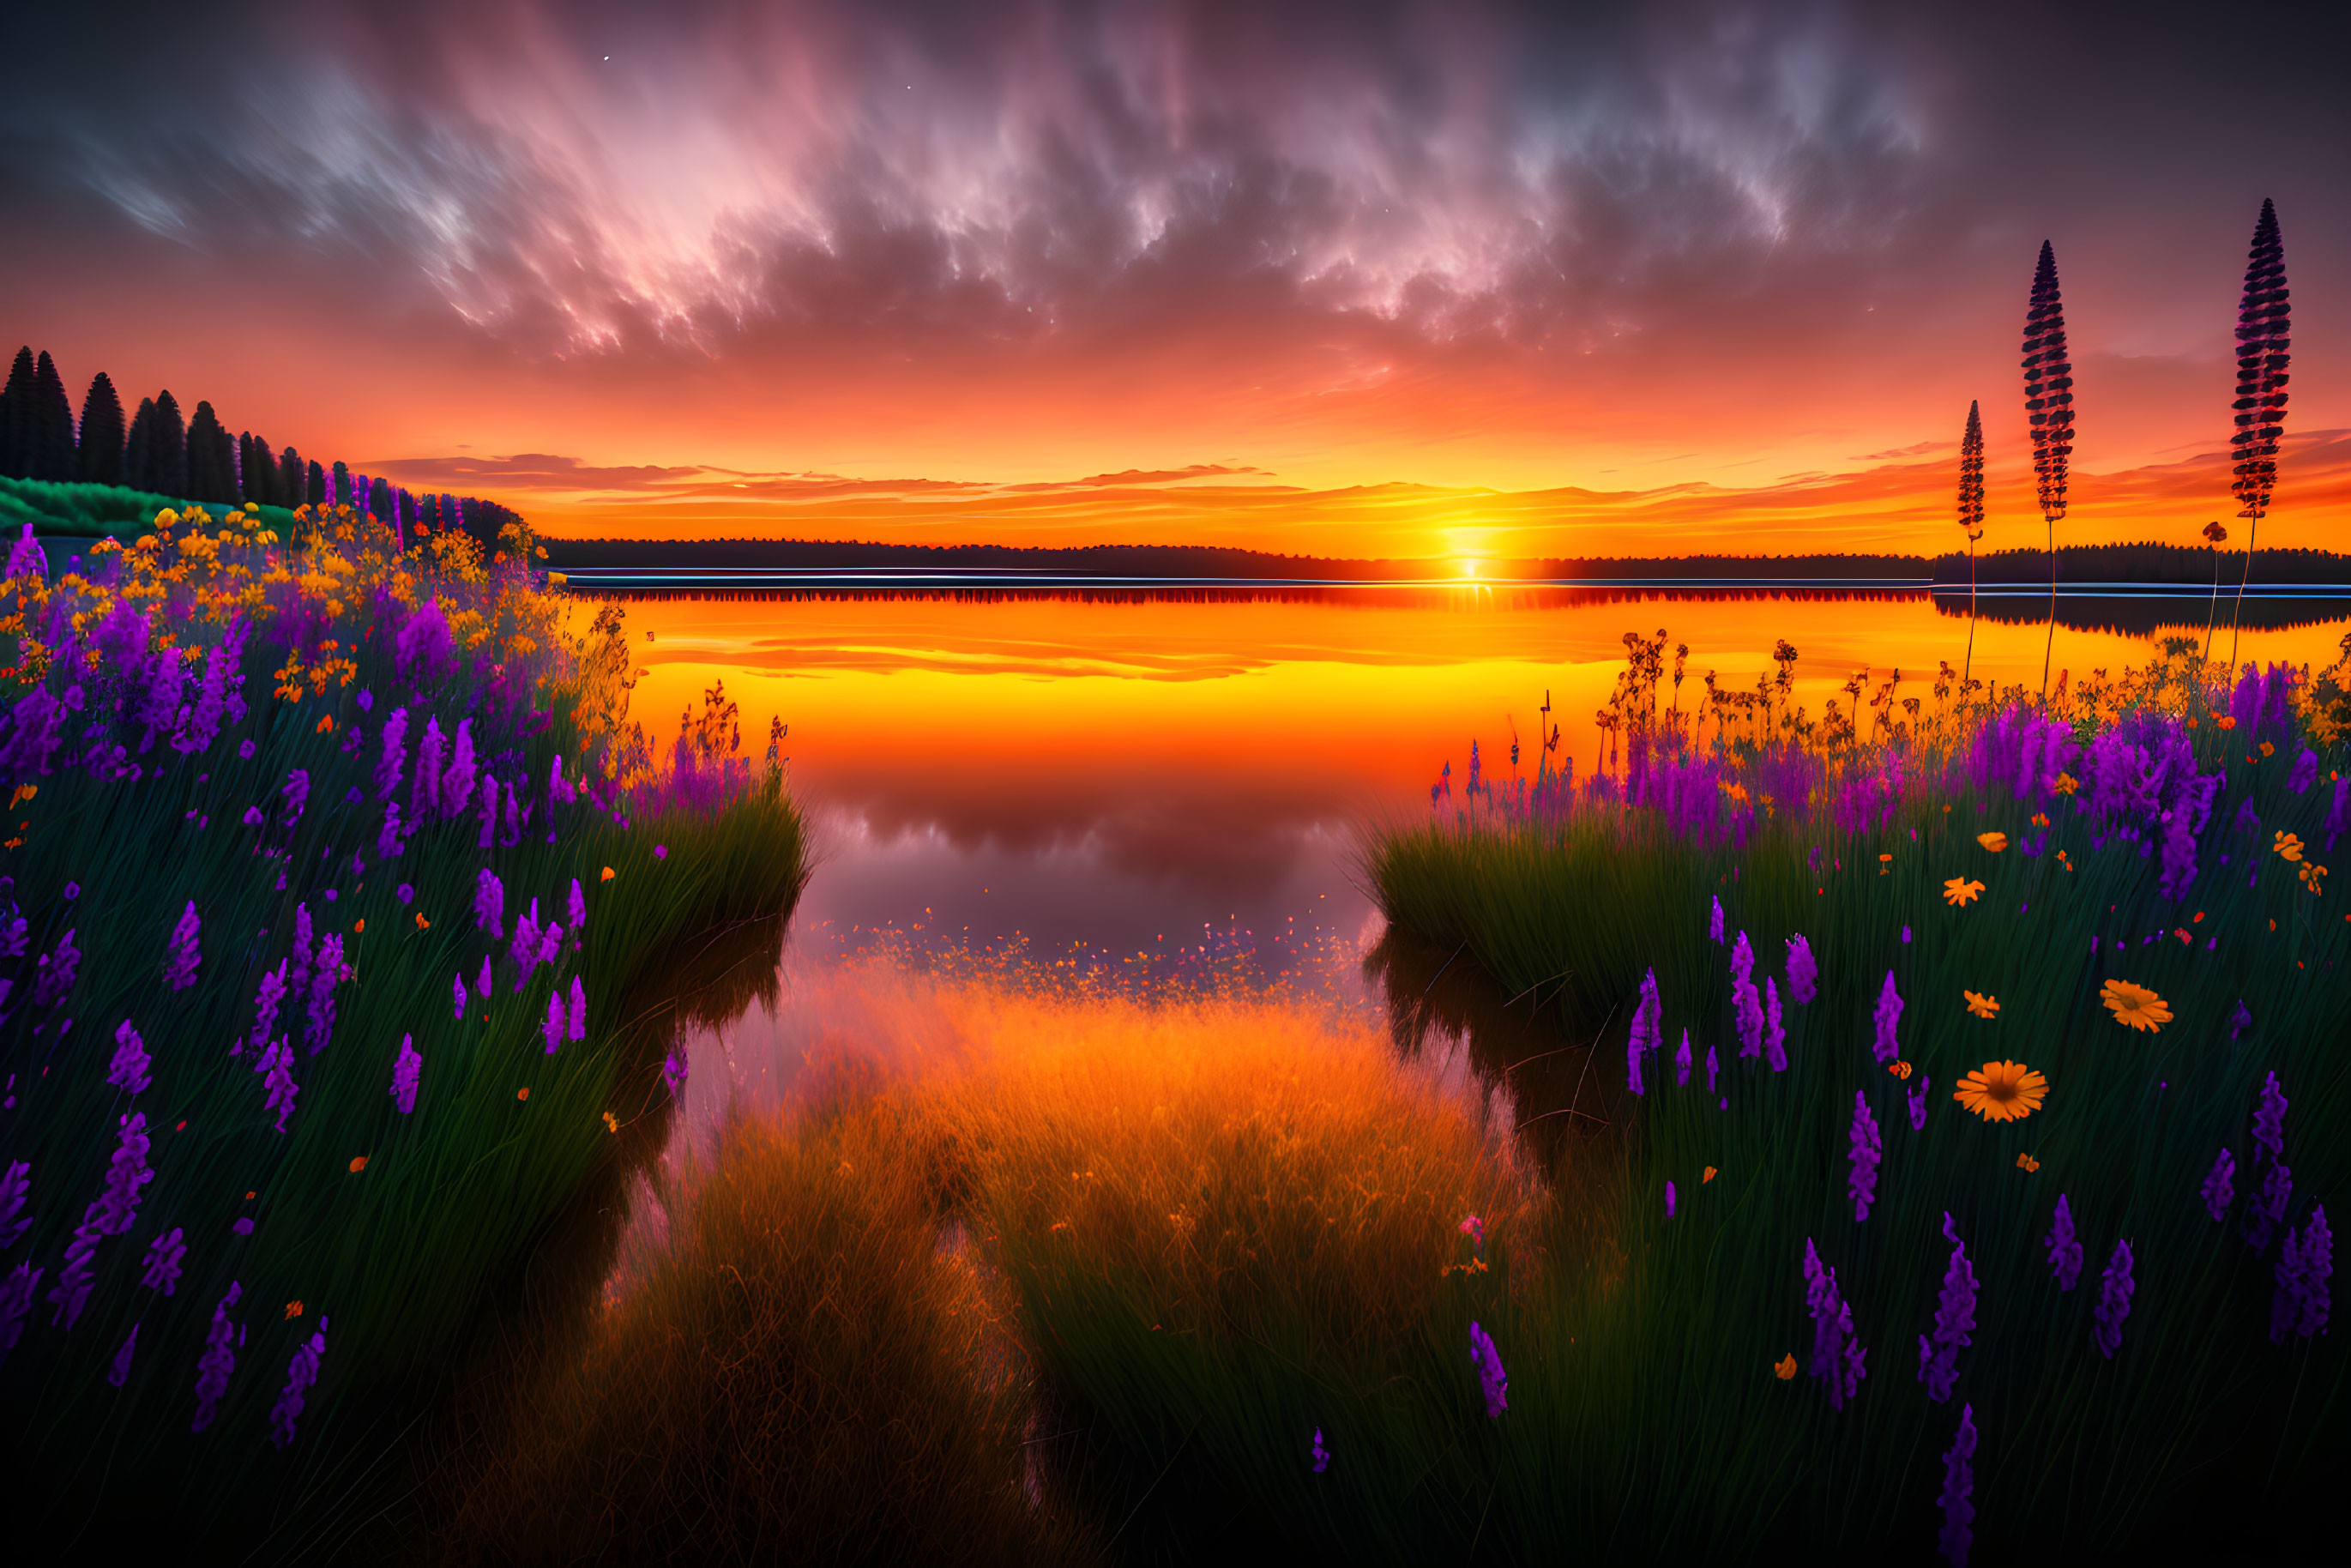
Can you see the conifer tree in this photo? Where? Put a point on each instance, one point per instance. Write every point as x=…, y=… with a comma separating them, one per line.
x=379, y=501
x=343, y=485
x=98, y=458
x=2262, y=345
x=50, y=452
x=211, y=460
x=290, y=479
x=168, y=447
x=1971, y=516
x=138, y=452
x=2049, y=407
x=16, y=416
x=314, y=489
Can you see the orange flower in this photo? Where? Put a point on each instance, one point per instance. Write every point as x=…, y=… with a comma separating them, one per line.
x=522, y=1093
x=2040, y=818
x=2310, y=875
x=1982, y=1006
x=2002, y=1091
x=2027, y=1163
x=1994, y=841
x=423, y=923
x=2226, y=722
x=2135, y=1006
x=2268, y=749
x=611, y=1125
x=1959, y=890
x=1899, y=1068
x=359, y=926
x=2067, y=783
x=608, y=873
x=359, y=1164
x=293, y=1311
x=327, y=724
x=1785, y=1368
x=2288, y=847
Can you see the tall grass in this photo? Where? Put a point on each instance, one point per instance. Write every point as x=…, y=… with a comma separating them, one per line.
x=390, y=1230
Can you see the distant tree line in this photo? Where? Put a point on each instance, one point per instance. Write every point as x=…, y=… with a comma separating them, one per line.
x=159, y=451
x=2139, y=563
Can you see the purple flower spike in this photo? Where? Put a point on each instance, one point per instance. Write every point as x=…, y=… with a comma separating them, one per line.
x=553, y=1029
x=2114, y=1302
x=279, y=1080
x=1955, y=1318
x=577, y=908
x=2241, y=1020
x=482, y=980
x=265, y=1005
x=1713, y=1069
x=120, y=1372
x=489, y=905
x=457, y=995
x=162, y=1270
x=1887, y=1013
x=1669, y=1200
x=300, y=1373
x=181, y=961
x=405, y=1068
x=128, y=1071
x=2221, y=1185
x=1866, y=1153
x=217, y=1362
x=1959, y=1491
x=16, y=1188
x=1919, y=1102
x=576, y=1027
x=674, y=1070
x=2268, y=1207
x=1682, y=1062
x=405, y=893
x=16, y=1301
x=1490, y=1378
x=2305, y=1264
x=1714, y=923
x=2064, y=1248
x=1321, y=1454
x=1836, y=1357
x=1647, y=1033
x=1775, y=1037
x=1804, y=974
x=1632, y=1062
x=117, y=1209
x=2269, y=1118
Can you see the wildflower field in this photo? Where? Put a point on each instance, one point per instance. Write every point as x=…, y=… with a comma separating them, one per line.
x=344, y=915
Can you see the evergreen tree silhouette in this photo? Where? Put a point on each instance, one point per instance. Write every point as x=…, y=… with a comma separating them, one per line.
x=314, y=487
x=139, y=453
x=98, y=458
x=2049, y=407
x=289, y=478
x=2262, y=318
x=16, y=416
x=1971, y=516
x=49, y=453
x=379, y=499
x=167, y=448
x=211, y=460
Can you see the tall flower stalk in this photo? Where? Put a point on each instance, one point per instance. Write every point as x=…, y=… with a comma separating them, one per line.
x=2049, y=408
x=1971, y=514
x=2263, y=316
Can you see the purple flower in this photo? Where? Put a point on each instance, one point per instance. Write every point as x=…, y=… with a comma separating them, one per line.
x=387, y=838
x=1714, y=923
x=405, y=893
x=489, y=904
x=181, y=961
x=2269, y=1119
x=1490, y=1378
x=79, y=1272
x=1321, y=1456
x=1866, y=1153
x=489, y=812
x=245, y=751
x=661, y=852
x=425, y=795
x=126, y=1172
x=280, y=1081
x=393, y=764
x=128, y=1071
x=2305, y=1264
x=1775, y=1037
x=482, y=980
x=1713, y=1069
x=16, y=1301
x=366, y=700
x=1669, y=1199
x=457, y=784
x=1959, y=1491
x=553, y=1029
x=1919, y=1102
x=2337, y=811
x=2064, y=1248
x=404, y=1069
x=243, y=1226
x=2241, y=1020
x=16, y=1188
x=300, y=1373
x=1955, y=1317
x=1647, y=1033
x=252, y=818
x=2263, y=1215
x=458, y=992
x=161, y=1269
x=57, y=970
x=577, y=908
x=673, y=1069
x=577, y=1028
x=297, y=790
x=323, y=981
x=524, y=954
x=2305, y=772
x=2114, y=1302
x=1745, y=1002
x=1804, y=974
x=1885, y=1016
x=217, y=1362
x=424, y=649
x=2178, y=852
x=299, y=979
x=73, y=891
x=120, y=1372
x=2221, y=1185
x=1836, y=1357
x=1905, y=936
x=1682, y=1062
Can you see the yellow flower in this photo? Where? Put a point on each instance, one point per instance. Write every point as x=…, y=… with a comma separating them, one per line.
x=2002, y=1091
x=2135, y=1006
x=1982, y=1006
x=2067, y=783
x=1994, y=841
x=1959, y=890
x=2027, y=1163
x=1786, y=1367
x=2288, y=847
x=610, y=1125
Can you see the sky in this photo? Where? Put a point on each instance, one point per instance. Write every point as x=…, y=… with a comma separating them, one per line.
x=1352, y=278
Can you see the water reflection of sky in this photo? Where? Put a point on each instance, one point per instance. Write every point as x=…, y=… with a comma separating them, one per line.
x=1145, y=777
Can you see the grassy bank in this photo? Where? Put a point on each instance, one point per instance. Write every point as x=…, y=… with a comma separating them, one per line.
x=276, y=801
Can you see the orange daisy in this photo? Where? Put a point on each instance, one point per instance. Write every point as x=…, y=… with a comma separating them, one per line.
x=2002, y=1091
x=1982, y=1006
x=1961, y=890
x=2135, y=1006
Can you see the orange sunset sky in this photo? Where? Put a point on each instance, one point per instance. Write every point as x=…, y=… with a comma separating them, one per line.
x=1398, y=279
